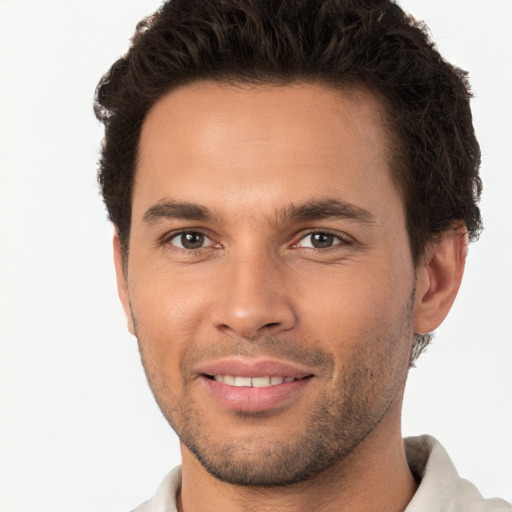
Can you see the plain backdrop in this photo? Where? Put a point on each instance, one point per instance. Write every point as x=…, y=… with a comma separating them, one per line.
x=79, y=430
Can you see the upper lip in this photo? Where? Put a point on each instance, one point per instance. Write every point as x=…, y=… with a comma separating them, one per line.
x=260, y=367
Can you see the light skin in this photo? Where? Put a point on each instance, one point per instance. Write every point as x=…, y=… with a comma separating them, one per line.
x=268, y=237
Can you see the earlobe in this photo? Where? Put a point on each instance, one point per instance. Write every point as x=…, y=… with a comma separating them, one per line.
x=122, y=283
x=438, y=279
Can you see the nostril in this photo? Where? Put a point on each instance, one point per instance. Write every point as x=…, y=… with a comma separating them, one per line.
x=254, y=318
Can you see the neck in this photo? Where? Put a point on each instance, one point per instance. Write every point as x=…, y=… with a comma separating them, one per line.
x=374, y=477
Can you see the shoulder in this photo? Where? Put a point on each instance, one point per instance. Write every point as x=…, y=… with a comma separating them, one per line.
x=164, y=499
x=441, y=488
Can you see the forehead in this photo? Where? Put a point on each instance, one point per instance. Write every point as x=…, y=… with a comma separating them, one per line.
x=259, y=146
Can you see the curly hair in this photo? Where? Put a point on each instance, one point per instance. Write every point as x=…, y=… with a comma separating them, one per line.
x=339, y=43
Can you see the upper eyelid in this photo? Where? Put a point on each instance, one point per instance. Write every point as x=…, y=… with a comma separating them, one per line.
x=165, y=240
x=342, y=236
x=176, y=232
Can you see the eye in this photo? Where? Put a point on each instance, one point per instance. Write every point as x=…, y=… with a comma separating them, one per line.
x=190, y=240
x=321, y=240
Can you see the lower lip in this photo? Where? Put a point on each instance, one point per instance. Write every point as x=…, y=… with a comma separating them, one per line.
x=250, y=399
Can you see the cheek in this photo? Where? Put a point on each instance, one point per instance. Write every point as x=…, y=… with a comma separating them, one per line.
x=167, y=315
x=354, y=304
x=165, y=302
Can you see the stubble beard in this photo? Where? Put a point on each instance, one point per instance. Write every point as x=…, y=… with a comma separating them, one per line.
x=332, y=430
x=341, y=417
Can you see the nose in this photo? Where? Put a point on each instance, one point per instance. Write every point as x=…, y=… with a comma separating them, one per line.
x=254, y=299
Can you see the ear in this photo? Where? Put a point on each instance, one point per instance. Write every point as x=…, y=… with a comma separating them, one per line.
x=122, y=282
x=438, y=279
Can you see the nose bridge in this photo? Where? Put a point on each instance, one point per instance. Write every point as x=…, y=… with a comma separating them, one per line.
x=255, y=299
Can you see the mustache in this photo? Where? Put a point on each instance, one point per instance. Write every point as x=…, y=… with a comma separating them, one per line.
x=294, y=351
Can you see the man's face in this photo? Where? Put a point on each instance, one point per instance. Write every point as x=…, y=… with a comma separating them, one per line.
x=269, y=276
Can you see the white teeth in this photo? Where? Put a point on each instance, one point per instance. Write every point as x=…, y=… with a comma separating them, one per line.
x=260, y=382
x=229, y=379
x=255, y=382
x=243, y=382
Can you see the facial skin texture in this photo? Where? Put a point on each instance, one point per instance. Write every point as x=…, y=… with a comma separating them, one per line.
x=247, y=172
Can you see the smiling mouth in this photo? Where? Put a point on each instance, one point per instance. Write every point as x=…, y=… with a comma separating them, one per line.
x=251, y=389
x=254, y=382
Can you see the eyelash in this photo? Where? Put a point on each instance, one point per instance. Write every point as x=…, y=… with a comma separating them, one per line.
x=344, y=239
x=166, y=240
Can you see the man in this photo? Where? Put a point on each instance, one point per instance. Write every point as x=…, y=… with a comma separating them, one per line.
x=293, y=186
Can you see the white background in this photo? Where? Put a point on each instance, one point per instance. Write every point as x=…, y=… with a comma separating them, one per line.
x=78, y=426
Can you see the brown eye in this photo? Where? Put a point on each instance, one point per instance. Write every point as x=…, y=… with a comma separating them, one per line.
x=189, y=240
x=320, y=240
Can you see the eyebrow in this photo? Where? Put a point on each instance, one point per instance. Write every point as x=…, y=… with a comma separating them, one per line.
x=175, y=210
x=309, y=211
x=325, y=209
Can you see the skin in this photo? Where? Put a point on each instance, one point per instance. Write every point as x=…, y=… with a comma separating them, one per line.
x=256, y=287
